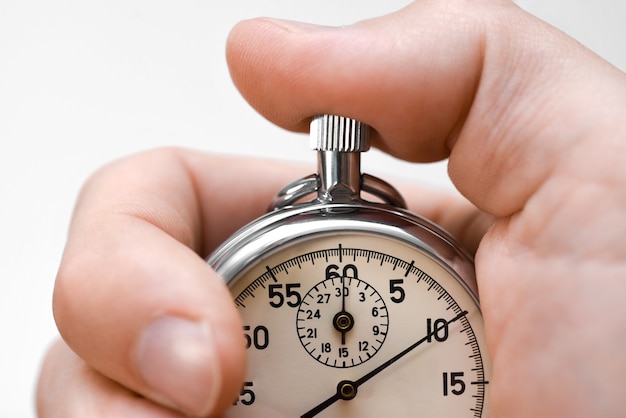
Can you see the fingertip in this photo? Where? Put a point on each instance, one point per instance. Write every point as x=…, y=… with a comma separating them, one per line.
x=411, y=93
x=193, y=366
x=232, y=357
x=267, y=62
x=171, y=334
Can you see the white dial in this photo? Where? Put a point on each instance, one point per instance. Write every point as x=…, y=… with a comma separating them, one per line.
x=412, y=342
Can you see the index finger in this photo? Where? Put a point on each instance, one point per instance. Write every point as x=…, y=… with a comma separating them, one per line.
x=134, y=296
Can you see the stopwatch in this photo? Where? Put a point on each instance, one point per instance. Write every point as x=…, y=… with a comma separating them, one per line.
x=352, y=306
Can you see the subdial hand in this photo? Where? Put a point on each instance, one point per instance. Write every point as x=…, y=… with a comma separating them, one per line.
x=347, y=390
x=343, y=321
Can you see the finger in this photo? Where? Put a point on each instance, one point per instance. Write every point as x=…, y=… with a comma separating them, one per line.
x=133, y=296
x=135, y=300
x=450, y=211
x=69, y=388
x=508, y=96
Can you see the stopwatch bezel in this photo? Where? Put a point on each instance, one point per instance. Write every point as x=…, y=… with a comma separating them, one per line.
x=290, y=225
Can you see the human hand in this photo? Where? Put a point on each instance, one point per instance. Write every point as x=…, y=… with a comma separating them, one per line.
x=152, y=323
x=133, y=283
x=533, y=126
x=531, y=122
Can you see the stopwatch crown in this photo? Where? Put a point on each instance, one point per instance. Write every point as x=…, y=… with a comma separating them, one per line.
x=340, y=134
x=339, y=142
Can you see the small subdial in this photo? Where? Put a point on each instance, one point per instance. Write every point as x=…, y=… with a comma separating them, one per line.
x=342, y=321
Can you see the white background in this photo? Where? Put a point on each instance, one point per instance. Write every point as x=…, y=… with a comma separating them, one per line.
x=85, y=82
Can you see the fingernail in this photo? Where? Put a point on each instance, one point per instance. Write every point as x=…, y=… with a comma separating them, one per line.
x=178, y=360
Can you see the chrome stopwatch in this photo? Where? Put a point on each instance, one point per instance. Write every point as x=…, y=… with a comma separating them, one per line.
x=353, y=308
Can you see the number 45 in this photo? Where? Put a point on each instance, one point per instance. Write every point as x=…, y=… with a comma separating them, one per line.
x=247, y=396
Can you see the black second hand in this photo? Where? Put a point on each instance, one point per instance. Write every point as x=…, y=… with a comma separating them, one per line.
x=343, y=306
x=328, y=402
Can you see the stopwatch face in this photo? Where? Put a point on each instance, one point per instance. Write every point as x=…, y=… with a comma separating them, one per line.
x=355, y=324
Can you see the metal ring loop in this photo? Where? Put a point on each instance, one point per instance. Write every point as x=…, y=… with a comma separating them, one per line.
x=295, y=191
x=383, y=190
x=309, y=185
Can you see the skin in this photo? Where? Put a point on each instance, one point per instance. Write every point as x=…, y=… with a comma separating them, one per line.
x=533, y=126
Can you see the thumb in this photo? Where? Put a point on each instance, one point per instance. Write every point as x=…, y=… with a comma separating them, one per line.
x=290, y=71
x=501, y=93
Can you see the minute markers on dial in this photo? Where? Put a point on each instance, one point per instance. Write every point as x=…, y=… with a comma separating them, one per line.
x=347, y=389
x=417, y=298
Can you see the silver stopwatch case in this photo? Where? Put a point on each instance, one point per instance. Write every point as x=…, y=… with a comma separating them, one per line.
x=338, y=206
x=320, y=279
x=291, y=224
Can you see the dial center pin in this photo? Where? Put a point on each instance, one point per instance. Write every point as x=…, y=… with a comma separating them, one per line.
x=343, y=321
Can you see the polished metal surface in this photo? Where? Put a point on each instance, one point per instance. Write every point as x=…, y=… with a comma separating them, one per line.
x=294, y=224
x=339, y=142
x=340, y=176
x=338, y=133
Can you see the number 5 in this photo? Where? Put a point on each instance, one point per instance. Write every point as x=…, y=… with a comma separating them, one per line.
x=395, y=286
